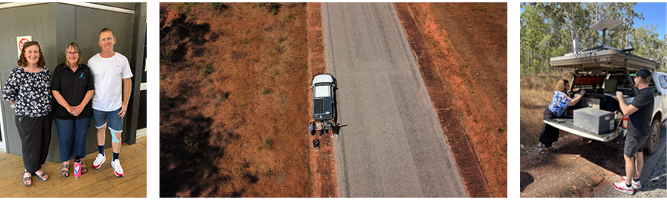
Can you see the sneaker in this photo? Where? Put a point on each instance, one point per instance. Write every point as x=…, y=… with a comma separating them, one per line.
x=635, y=185
x=99, y=160
x=621, y=187
x=117, y=170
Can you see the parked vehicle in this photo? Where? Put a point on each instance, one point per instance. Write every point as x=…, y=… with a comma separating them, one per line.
x=324, y=101
x=601, y=72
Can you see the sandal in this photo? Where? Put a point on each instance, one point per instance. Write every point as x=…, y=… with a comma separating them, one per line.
x=540, y=148
x=26, y=179
x=42, y=176
x=552, y=149
x=83, y=168
x=64, y=171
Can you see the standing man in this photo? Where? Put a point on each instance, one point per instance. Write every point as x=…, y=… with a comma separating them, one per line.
x=639, y=112
x=335, y=127
x=113, y=86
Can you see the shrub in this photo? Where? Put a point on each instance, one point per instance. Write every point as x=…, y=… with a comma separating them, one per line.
x=245, y=41
x=242, y=104
x=266, y=91
x=271, y=7
x=290, y=16
x=190, y=140
x=207, y=68
x=279, y=48
x=267, y=143
x=165, y=56
x=185, y=7
x=480, y=7
x=280, y=39
x=218, y=6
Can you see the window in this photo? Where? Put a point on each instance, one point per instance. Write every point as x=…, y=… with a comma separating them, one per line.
x=663, y=81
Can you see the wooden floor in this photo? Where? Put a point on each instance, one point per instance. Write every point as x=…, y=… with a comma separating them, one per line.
x=96, y=183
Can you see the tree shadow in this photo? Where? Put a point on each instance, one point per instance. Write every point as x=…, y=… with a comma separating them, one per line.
x=526, y=179
x=600, y=154
x=186, y=35
x=187, y=160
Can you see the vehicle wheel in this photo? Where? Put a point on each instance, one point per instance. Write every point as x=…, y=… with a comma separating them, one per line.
x=653, y=138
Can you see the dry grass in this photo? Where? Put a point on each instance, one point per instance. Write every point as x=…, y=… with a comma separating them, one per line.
x=468, y=44
x=233, y=100
x=536, y=93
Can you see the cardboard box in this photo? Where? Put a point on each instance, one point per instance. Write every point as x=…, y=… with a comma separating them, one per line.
x=594, y=120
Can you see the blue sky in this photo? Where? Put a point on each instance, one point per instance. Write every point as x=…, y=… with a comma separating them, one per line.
x=654, y=13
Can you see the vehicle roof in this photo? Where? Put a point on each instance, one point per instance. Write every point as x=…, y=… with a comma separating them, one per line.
x=323, y=78
x=321, y=91
x=608, y=58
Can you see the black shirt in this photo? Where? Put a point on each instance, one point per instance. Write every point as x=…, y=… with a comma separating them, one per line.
x=335, y=128
x=73, y=87
x=640, y=121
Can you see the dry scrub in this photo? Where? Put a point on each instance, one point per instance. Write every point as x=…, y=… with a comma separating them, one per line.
x=233, y=100
x=536, y=92
x=468, y=46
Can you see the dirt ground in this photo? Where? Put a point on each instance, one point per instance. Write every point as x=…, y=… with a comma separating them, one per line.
x=575, y=171
x=578, y=169
x=462, y=53
x=322, y=162
x=234, y=100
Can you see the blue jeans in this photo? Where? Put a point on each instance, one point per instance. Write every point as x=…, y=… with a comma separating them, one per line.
x=72, y=137
x=115, y=122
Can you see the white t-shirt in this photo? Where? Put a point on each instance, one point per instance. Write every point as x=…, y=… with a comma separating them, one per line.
x=109, y=74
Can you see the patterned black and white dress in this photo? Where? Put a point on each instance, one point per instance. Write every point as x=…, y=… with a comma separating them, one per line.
x=31, y=91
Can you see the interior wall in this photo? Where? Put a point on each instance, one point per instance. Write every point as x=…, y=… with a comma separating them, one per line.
x=54, y=25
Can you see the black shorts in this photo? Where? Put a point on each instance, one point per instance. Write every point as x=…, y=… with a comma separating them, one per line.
x=634, y=142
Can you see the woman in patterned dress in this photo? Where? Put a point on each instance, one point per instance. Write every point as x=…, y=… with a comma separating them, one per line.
x=556, y=109
x=28, y=88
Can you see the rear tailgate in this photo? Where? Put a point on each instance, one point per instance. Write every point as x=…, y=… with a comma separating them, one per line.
x=567, y=125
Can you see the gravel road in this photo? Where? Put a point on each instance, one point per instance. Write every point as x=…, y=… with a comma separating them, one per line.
x=393, y=146
x=653, y=178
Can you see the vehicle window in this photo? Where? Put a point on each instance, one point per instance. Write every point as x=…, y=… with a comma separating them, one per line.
x=663, y=81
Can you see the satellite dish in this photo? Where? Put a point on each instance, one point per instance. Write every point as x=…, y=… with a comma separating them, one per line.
x=604, y=25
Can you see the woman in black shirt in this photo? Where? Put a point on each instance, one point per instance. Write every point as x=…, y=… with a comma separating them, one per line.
x=73, y=87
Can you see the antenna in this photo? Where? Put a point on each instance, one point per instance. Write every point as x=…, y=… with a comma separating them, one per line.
x=604, y=25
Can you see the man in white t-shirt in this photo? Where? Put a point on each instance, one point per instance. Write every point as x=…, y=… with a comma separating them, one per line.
x=113, y=86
